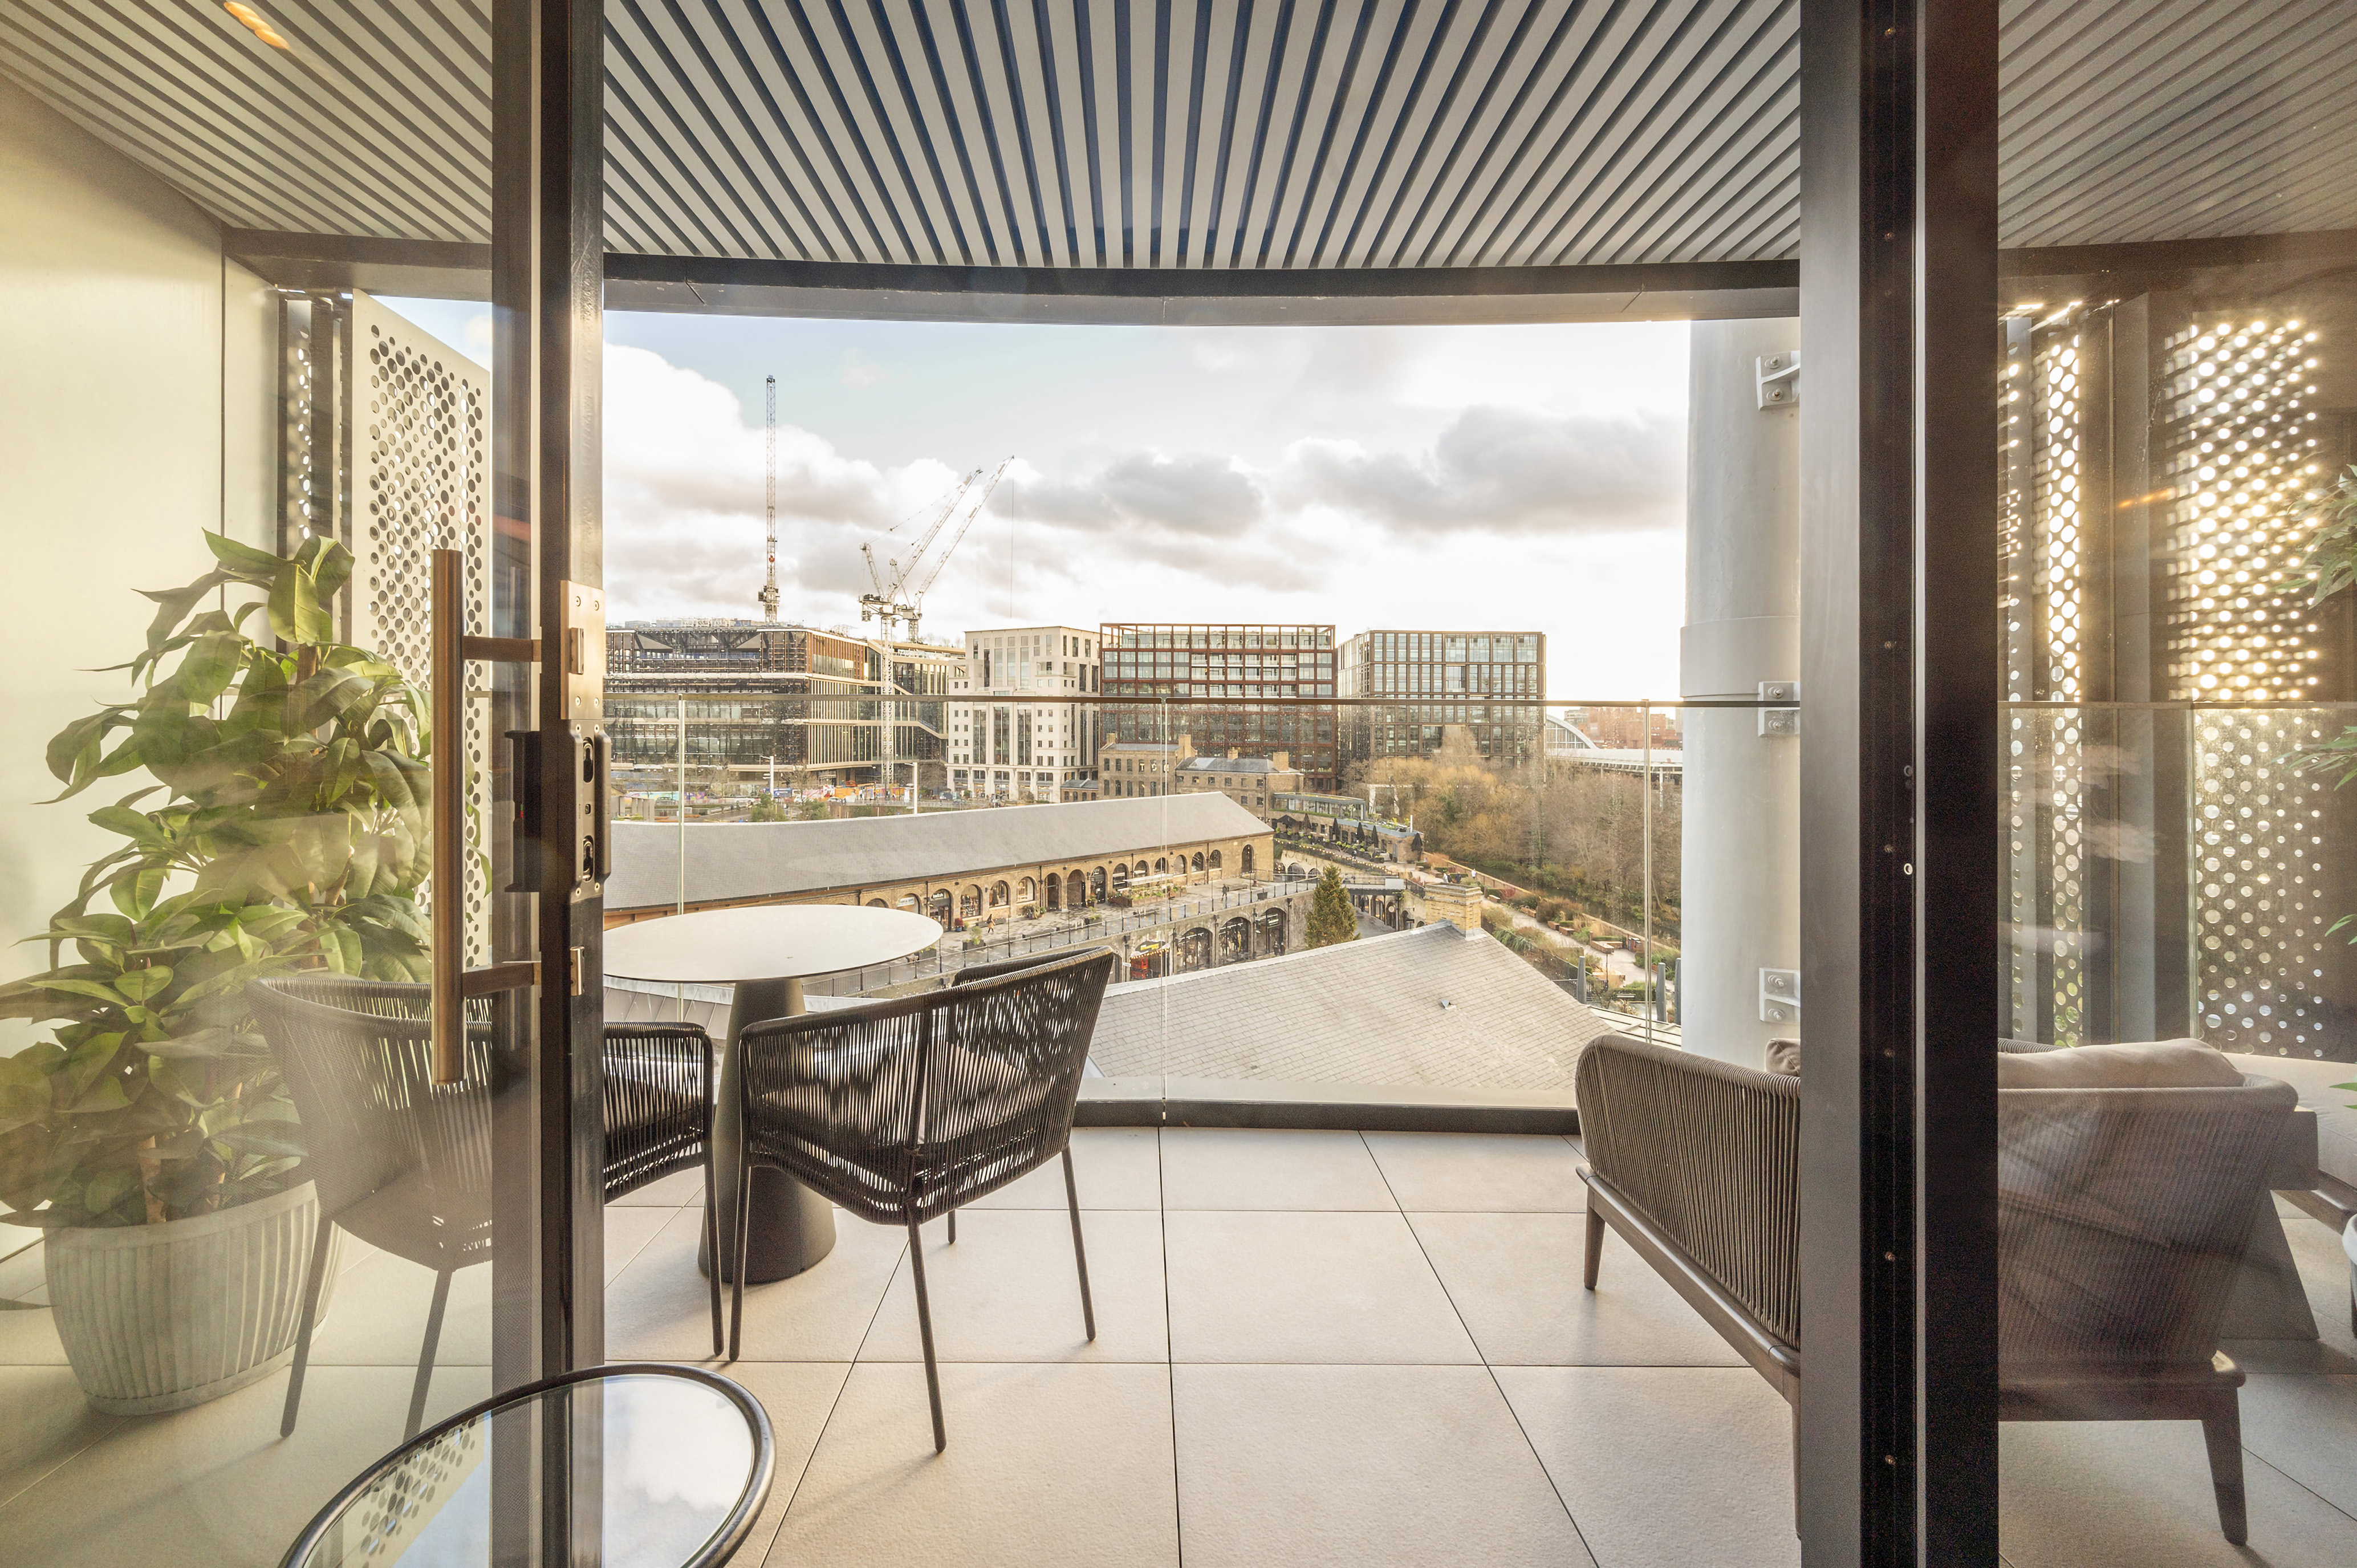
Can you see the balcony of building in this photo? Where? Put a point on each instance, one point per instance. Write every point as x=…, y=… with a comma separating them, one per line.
x=1313, y=1347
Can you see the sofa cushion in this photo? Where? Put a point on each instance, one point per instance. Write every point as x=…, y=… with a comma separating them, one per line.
x=2160, y=1064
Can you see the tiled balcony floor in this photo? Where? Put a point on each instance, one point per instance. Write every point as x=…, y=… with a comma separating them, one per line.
x=1313, y=1347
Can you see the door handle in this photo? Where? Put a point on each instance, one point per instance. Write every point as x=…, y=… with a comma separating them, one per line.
x=450, y=649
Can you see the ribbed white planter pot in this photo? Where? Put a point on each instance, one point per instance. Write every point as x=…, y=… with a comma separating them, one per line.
x=162, y=1316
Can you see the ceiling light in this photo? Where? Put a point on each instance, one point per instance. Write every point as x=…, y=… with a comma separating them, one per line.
x=256, y=26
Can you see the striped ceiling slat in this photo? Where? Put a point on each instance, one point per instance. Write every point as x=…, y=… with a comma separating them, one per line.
x=1196, y=133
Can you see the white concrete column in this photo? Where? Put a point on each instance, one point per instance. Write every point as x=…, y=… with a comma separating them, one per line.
x=1739, y=898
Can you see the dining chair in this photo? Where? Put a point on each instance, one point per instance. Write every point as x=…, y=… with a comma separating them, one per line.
x=902, y=1111
x=404, y=1164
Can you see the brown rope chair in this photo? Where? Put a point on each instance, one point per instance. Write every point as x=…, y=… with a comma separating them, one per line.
x=2123, y=1214
x=903, y=1110
x=404, y=1164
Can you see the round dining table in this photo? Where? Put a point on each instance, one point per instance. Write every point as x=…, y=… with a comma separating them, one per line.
x=766, y=952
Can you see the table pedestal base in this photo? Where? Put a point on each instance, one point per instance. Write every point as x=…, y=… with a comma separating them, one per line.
x=790, y=1228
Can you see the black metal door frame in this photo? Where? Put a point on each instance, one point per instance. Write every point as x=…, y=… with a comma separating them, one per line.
x=1903, y=669
x=547, y=245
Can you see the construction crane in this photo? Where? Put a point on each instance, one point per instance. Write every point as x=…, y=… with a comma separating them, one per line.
x=769, y=593
x=889, y=602
x=913, y=610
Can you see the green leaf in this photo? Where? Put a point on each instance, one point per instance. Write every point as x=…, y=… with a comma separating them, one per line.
x=297, y=614
x=89, y=988
x=248, y=563
x=329, y=563
x=76, y=749
x=139, y=984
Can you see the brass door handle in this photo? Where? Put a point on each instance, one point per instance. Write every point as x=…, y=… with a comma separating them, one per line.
x=453, y=982
x=447, y=698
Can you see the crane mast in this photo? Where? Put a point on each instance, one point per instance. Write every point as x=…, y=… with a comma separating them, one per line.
x=914, y=609
x=769, y=593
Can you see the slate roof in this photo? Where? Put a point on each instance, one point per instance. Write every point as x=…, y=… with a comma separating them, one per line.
x=1229, y=765
x=755, y=860
x=1367, y=1012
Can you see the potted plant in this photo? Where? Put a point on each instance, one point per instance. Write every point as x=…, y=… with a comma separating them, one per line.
x=151, y=1138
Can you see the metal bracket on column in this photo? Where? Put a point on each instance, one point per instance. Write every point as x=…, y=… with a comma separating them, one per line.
x=1778, y=377
x=1780, y=720
x=1779, y=996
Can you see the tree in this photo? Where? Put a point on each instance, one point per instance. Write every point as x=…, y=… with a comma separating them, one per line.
x=1331, y=919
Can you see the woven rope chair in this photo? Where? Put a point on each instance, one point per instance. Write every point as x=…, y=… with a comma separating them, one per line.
x=903, y=1110
x=2123, y=1215
x=404, y=1164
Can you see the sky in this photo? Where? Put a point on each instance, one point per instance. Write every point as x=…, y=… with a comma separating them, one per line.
x=1509, y=478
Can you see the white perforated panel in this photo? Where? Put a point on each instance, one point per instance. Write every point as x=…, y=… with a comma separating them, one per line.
x=2244, y=452
x=420, y=436
x=2045, y=610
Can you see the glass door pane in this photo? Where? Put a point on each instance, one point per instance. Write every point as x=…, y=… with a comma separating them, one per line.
x=243, y=255
x=2174, y=1161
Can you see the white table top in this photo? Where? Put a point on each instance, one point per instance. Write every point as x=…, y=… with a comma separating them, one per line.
x=772, y=941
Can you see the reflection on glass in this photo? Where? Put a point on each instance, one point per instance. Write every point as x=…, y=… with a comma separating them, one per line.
x=2178, y=997
x=669, y=1461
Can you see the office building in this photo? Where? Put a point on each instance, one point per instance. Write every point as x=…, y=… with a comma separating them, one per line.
x=1006, y=740
x=1255, y=688
x=1444, y=678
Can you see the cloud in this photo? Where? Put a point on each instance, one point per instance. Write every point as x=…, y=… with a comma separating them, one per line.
x=1194, y=493
x=684, y=499
x=1505, y=471
x=859, y=372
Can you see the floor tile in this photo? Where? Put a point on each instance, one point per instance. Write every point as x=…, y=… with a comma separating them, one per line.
x=673, y=1191
x=1008, y=1292
x=658, y=1309
x=377, y=1317
x=215, y=1484
x=21, y=1276
x=1226, y=1167
x=798, y=1396
x=1481, y=1172
x=1046, y=1465
x=1664, y=1466
x=29, y=1338
x=628, y=1229
x=1515, y=1278
x=2098, y=1494
x=1351, y=1465
x=2306, y=1427
x=1321, y=1287
x=48, y=1423
x=1113, y=1167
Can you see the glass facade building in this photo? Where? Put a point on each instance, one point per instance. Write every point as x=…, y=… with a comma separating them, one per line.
x=1442, y=678
x=1256, y=688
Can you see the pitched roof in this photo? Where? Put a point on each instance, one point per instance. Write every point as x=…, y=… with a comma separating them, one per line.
x=1228, y=764
x=1437, y=1006
x=755, y=860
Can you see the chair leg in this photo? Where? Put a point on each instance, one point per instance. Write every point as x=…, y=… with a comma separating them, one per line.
x=953, y=1227
x=1594, y=1246
x=1079, y=1254
x=2221, y=1430
x=712, y=1242
x=313, y=1279
x=737, y=1245
x=425, y=1355
x=925, y=1329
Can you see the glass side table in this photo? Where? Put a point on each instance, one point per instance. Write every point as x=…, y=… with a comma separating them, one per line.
x=638, y=1464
